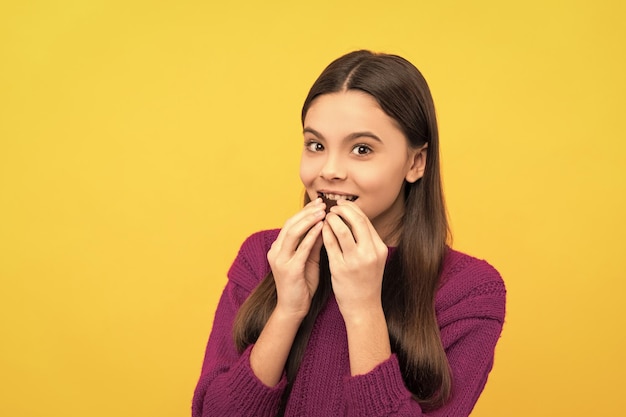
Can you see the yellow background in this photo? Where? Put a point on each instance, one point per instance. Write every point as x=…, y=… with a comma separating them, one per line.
x=141, y=142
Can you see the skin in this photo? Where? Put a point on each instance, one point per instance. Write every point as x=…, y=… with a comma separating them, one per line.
x=353, y=148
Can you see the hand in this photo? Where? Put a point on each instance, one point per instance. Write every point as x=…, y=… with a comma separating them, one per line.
x=294, y=258
x=357, y=257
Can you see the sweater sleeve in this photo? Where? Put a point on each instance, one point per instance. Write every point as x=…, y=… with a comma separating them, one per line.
x=227, y=386
x=470, y=329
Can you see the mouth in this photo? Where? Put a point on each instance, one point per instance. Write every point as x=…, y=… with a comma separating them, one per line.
x=336, y=197
x=331, y=199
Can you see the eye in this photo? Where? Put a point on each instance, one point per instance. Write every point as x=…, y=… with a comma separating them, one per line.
x=361, y=149
x=313, y=146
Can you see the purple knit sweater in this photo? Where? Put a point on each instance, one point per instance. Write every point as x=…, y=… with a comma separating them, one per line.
x=470, y=305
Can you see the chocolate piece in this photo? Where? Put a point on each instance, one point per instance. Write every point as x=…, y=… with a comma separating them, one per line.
x=329, y=203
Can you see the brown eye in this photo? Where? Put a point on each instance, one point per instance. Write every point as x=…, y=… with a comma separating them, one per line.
x=314, y=146
x=361, y=150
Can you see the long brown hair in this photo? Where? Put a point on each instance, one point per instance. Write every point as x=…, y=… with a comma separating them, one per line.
x=411, y=276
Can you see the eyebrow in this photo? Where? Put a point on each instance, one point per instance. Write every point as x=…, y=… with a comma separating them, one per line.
x=350, y=137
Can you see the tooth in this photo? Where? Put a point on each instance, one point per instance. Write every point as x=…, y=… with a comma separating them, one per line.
x=336, y=197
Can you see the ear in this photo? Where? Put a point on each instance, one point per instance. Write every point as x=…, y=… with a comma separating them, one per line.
x=418, y=164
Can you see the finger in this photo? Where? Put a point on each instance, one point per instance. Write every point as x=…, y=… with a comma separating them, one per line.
x=367, y=221
x=295, y=227
x=355, y=218
x=332, y=245
x=366, y=235
x=309, y=246
x=343, y=234
x=296, y=233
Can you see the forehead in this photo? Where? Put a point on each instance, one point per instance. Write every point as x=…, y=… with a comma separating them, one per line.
x=348, y=111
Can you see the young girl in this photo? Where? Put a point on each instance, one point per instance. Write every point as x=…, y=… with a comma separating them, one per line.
x=357, y=306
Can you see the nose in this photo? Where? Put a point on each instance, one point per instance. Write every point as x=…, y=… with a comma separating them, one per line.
x=333, y=169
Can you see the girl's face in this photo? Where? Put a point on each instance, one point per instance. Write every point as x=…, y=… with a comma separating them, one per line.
x=354, y=150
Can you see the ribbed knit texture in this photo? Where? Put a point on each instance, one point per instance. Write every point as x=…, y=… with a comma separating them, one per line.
x=470, y=306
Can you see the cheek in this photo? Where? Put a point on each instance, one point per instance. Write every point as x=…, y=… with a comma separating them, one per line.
x=307, y=171
x=382, y=189
x=373, y=181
